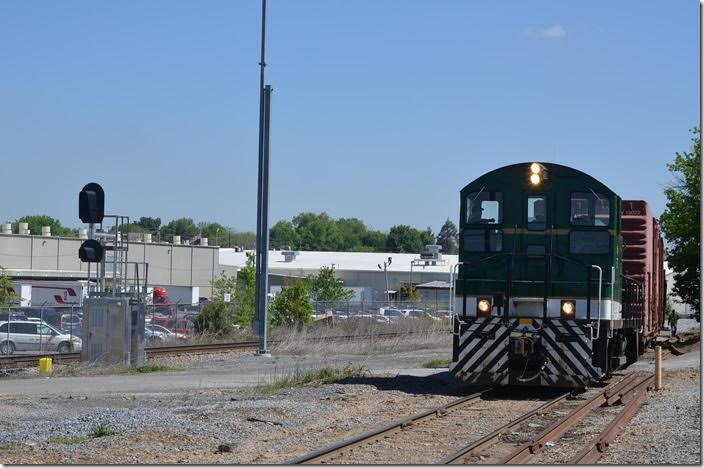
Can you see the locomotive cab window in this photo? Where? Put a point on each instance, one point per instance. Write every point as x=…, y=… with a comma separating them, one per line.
x=536, y=213
x=590, y=209
x=483, y=240
x=484, y=207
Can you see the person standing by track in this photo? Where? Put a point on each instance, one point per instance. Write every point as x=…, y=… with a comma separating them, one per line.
x=672, y=318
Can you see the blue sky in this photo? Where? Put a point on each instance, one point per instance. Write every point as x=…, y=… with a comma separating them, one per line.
x=382, y=110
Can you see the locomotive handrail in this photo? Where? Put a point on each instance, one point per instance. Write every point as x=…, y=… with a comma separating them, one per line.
x=598, y=322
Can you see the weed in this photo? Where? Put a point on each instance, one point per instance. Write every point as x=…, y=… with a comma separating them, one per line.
x=315, y=377
x=62, y=440
x=153, y=368
x=435, y=363
x=101, y=430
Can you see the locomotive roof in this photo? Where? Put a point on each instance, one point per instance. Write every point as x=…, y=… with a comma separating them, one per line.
x=556, y=171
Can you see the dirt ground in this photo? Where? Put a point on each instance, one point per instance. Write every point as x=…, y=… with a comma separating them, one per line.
x=213, y=410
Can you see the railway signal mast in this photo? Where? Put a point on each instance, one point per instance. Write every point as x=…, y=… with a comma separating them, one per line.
x=262, y=247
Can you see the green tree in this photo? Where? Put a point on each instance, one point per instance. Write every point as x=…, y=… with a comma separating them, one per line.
x=373, y=241
x=404, y=239
x=215, y=232
x=222, y=285
x=680, y=222
x=352, y=231
x=214, y=318
x=427, y=237
x=132, y=227
x=184, y=227
x=409, y=293
x=317, y=232
x=292, y=306
x=447, y=237
x=246, y=240
x=35, y=223
x=149, y=224
x=326, y=287
x=245, y=294
x=283, y=236
x=7, y=293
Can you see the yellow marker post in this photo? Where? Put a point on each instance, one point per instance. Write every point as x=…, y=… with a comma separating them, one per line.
x=658, y=368
x=45, y=365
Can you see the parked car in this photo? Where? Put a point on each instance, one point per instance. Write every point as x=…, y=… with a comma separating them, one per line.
x=151, y=335
x=50, y=315
x=419, y=314
x=391, y=314
x=182, y=326
x=34, y=335
x=13, y=316
x=168, y=334
x=70, y=321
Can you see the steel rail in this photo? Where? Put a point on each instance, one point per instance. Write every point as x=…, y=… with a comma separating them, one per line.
x=461, y=455
x=592, y=452
x=564, y=424
x=32, y=360
x=327, y=453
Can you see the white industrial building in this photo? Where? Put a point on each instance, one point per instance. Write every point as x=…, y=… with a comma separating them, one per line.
x=46, y=257
x=360, y=271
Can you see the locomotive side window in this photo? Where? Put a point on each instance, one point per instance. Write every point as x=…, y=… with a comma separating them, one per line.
x=484, y=207
x=589, y=242
x=589, y=209
x=483, y=240
x=536, y=211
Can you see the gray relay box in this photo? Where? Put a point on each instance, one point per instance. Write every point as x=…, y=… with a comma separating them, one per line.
x=113, y=331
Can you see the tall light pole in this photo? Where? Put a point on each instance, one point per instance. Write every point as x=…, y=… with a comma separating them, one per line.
x=262, y=247
x=386, y=277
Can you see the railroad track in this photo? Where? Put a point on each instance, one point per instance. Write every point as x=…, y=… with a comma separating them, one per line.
x=7, y=362
x=629, y=392
x=332, y=452
x=500, y=446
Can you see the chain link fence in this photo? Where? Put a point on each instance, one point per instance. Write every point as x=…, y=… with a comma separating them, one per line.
x=47, y=330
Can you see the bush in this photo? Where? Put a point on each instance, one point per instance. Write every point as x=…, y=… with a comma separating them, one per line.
x=292, y=306
x=215, y=318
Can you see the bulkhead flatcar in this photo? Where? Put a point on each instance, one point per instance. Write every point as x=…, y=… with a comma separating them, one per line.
x=559, y=281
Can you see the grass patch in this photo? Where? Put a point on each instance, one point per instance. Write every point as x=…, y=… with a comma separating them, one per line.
x=101, y=430
x=315, y=377
x=153, y=368
x=435, y=363
x=62, y=440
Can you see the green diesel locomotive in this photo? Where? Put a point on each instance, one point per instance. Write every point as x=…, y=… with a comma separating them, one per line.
x=559, y=281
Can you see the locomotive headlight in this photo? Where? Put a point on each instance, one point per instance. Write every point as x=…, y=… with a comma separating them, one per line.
x=484, y=307
x=535, y=168
x=567, y=310
x=534, y=179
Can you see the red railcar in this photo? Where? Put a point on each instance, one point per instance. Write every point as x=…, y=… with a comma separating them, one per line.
x=643, y=256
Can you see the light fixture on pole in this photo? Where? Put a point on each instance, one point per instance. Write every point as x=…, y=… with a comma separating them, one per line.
x=386, y=278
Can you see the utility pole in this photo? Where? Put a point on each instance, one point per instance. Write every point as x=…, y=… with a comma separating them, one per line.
x=262, y=247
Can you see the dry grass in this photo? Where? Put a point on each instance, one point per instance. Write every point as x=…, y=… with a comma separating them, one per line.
x=414, y=335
